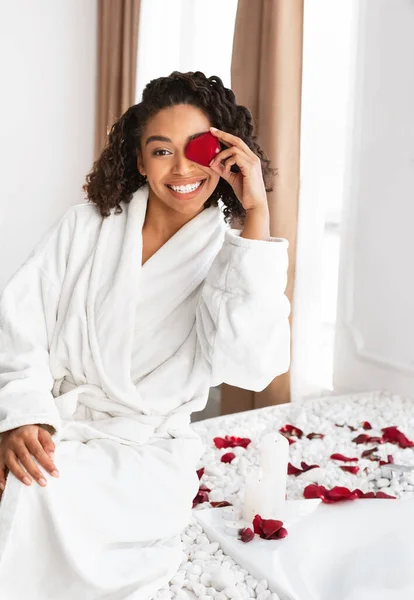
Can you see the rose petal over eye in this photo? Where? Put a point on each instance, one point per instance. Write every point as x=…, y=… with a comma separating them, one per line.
x=228, y=457
x=342, y=457
x=349, y=469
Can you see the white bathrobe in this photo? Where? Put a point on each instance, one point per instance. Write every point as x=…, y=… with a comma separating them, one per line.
x=116, y=357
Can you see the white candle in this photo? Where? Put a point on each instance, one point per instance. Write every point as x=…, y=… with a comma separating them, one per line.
x=274, y=458
x=265, y=490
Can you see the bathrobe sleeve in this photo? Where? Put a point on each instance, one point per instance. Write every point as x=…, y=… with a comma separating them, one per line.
x=28, y=310
x=242, y=313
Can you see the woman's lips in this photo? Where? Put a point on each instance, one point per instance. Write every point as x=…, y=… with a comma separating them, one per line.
x=187, y=195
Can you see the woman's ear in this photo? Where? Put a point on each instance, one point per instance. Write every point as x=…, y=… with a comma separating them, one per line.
x=140, y=164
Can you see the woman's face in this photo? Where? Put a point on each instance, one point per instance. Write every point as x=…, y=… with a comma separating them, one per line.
x=162, y=160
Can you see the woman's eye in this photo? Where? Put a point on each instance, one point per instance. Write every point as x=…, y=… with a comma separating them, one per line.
x=158, y=152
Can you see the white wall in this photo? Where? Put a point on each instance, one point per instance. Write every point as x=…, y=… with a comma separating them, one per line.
x=47, y=107
x=375, y=335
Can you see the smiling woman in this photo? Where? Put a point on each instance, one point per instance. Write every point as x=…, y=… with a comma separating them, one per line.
x=102, y=364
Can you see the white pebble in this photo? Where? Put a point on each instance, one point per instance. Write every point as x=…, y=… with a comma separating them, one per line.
x=265, y=595
x=197, y=570
x=199, y=589
x=220, y=596
x=201, y=555
x=251, y=582
x=232, y=592
x=178, y=579
x=212, y=592
x=263, y=584
x=205, y=578
x=381, y=483
x=222, y=578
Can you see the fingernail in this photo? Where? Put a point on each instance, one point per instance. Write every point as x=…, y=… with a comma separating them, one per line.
x=211, y=163
x=27, y=481
x=55, y=473
x=2, y=487
x=213, y=129
x=42, y=481
x=51, y=454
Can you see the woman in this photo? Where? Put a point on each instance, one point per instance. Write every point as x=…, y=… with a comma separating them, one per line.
x=111, y=334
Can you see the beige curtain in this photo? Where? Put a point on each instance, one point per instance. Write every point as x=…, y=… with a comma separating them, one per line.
x=118, y=22
x=266, y=76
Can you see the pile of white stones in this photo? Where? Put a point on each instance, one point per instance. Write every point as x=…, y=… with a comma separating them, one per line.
x=206, y=572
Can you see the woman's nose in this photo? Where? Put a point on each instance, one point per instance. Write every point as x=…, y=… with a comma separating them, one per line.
x=182, y=165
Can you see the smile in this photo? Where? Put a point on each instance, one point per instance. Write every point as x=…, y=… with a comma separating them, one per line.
x=186, y=189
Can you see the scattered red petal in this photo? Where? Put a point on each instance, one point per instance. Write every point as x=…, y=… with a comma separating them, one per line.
x=220, y=504
x=389, y=461
x=269, y=529
x=315, y=436
x=292, y=470
x=246, y=535
x=394, y=436
x=352, y=428
x=349, y=469
x=202, y=496
x=364, y=438
x=366, y=425
x=336, y=494
x=385, y=496
x=342, y=457
x=367, y=453
x=203, y=488
x=230, y=441
x=228, y=457
x=291, y=430
x=374, y=457
x=200, y=472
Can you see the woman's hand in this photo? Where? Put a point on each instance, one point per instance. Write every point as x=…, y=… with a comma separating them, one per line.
x=20, y=445
x=248, y=185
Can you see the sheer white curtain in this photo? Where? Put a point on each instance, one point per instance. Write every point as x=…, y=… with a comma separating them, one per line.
x=329, y=36
x=185, y=35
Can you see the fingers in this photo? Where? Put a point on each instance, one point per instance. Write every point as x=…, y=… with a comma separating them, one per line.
x=16, y=468
x=36, y=448
x=47, y=442
x=3, y=469
x=232, y=140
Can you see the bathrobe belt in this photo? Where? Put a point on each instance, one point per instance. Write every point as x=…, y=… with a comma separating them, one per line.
x=87, y=413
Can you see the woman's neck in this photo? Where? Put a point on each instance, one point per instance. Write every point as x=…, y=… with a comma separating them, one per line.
x=163, y=221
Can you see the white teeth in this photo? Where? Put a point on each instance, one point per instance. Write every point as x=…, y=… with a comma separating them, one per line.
x=185, y=189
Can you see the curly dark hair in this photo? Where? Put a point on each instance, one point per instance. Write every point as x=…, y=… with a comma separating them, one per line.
x=114, y=176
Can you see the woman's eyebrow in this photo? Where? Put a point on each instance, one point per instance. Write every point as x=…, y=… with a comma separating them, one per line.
x=161, y=138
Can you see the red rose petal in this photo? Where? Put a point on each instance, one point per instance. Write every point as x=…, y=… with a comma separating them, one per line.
x=292, y=470
x=257, y=524
x=270, y=527
x=366, y=425
x=203, y=488
x=202, y=496
x=228, y=457
x=200, y=472
x=338, y=493
x=362, y=438
x=306, y=467
x=385, y=496
x=220, y=504
x=349, y=469
x=394, y=436
x=202, y=149
x=342, y=457
x=230, y=441
x=291, y=430
x=246, y=535
x=282, y=533
x=315, y=436
x=367, y=453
